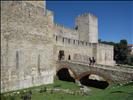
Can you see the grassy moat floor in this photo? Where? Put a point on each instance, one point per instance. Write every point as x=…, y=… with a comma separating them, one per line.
x=113, y=92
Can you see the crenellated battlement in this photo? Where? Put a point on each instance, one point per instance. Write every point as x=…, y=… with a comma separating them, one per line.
x=49, y=12
x=63, y=27
x=105, y=45
x=69, y=41
x=87, y=25
x=37, y=3
x=86, y=14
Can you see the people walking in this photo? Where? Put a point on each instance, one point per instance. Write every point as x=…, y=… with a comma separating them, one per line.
x=93, y=61
x=90, y=61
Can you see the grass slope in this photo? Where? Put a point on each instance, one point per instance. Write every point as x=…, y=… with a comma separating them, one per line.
x=113, y=92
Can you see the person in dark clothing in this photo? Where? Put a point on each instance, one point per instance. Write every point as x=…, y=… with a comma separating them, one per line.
x=69, y=57
x=90, y=61
x=27, y=96
x=93, y=60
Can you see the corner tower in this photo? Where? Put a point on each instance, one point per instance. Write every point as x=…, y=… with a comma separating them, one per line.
x=87, y=25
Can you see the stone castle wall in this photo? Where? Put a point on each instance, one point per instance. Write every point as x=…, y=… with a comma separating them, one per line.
x=30, y=44
x=85, y=35
x=65, y=32
x=105, y=54
x=77, y=53
x=26, y=34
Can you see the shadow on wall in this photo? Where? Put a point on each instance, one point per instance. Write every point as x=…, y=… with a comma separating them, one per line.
x=64, y=75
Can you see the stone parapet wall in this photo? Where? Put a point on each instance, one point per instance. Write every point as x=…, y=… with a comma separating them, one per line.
x=60, y=30
x=106, y=45
x=68, y=41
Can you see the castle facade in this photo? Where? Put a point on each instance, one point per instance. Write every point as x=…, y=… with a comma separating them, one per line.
x=31, y=43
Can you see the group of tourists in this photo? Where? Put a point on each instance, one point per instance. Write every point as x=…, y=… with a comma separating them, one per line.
x=92, y=61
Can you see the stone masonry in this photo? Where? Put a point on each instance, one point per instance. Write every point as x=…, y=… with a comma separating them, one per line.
x=31, y=41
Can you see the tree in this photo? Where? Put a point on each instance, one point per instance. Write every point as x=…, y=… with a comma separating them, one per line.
x=121, y=52
x=116, y=52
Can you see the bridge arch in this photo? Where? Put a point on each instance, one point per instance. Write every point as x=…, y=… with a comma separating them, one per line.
x=102, y=83
x=66, y=73
x=106, y=77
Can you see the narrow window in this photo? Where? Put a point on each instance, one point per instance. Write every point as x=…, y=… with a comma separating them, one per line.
x=69, y=41
x=69, y=57
x=73, y=41
x=63, y=40
x=56, y=38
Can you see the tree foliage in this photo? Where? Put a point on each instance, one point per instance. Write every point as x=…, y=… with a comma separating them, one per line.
x=121, y=52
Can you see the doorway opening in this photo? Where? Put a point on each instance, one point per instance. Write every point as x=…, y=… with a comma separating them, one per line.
x=61, y=55
x=69, y=57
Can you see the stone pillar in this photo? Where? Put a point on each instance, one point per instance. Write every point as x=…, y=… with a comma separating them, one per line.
x=77, y=82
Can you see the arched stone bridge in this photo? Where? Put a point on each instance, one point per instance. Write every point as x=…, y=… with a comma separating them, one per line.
x=112, y=74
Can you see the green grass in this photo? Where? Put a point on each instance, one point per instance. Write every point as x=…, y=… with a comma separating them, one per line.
x=113, y=92
x=117, y=93
x=63, y=85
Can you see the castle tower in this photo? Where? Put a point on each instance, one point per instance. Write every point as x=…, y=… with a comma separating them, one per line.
x=87, y=25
